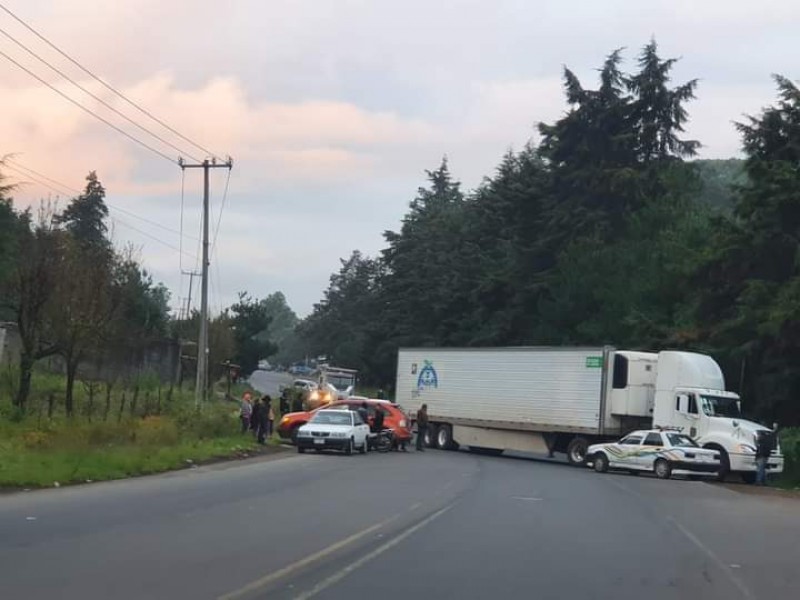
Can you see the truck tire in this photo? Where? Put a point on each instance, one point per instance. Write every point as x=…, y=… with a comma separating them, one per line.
x=662, y=469
x=600, y=462
x=576, y=451
x=444, y=438
x=430, y=436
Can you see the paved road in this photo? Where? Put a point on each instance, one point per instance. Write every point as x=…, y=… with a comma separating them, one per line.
x=438, y=524
x=269, y=382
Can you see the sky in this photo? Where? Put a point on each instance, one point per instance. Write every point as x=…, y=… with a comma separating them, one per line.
x=332, y=110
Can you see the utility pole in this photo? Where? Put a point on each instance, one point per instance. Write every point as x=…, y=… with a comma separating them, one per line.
x=201, y=385
x=192, y=275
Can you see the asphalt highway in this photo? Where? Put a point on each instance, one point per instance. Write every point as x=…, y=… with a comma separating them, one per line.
x=428, y=525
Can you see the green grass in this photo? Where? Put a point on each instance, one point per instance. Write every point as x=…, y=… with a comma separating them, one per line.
x=158, y=432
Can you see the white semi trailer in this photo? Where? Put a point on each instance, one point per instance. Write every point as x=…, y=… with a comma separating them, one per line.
x=563, y=399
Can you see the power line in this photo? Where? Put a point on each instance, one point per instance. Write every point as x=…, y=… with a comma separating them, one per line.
x=60, y=192
x=152, y=237
x=106, y=85
x=78, y=192
x=97, y=98
x=82, y=107
x=219, y=218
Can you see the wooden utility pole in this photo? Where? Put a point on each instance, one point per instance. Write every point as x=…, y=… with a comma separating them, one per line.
x=201, y=385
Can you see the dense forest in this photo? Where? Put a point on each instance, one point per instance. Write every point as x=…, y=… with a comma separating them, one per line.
x=605, y=231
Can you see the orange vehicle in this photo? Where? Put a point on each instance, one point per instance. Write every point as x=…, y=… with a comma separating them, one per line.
x=393, y=417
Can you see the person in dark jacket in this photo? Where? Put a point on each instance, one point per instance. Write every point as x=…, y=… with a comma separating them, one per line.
x=284, y=402
x=261, y=418
x=377, y=421
x=422, y=426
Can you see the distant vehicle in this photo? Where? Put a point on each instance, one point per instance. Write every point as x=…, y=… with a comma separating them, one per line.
x=393, y=417
x=300, y=369
x=304, y=384
x=663, y=452
x=263, y=365
x=565, y=399
x=334, y=429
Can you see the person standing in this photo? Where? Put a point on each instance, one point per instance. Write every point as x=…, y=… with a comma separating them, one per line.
x=261, y=417
x=245, y=412
x=255, y=416
x=270, y=415
x=422, y=426
x=764, y=447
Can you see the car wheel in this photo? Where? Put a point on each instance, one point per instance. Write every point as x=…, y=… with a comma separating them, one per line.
x=349, y=449
x=600, y=463
x=293, y=434
x=662, y=469
x=724, y=464
x=576, y=451
x=363, y=448
x=444, y=438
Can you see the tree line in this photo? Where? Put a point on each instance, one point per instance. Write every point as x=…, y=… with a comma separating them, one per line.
x=606, y=231
x=74, y=295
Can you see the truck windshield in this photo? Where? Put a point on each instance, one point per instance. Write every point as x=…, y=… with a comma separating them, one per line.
x=340, y=382
x=716, y=406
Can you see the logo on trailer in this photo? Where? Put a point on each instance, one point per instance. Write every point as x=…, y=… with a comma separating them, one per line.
x=427, y=377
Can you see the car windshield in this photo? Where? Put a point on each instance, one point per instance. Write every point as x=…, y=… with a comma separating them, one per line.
x=681, y=441
x=717, y=406
x=332, y=418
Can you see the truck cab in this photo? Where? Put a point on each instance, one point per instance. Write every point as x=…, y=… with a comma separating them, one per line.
x=690, y=394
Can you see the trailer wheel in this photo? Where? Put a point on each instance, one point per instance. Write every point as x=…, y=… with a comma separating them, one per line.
x=430, y=436
x=576, y=451
x=444, y=438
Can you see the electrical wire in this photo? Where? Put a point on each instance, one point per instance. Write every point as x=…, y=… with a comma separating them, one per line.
x=221, y=208
x=106, y=85
x=89, y=111
x=31, y=173
x=96, y=97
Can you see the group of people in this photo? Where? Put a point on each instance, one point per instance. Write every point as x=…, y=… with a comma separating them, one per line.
x=257, y=416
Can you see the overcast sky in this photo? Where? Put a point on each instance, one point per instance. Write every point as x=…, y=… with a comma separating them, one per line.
x=333, y=109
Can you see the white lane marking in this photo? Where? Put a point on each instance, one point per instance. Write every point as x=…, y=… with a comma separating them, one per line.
x=336, y=577
x=289, y=569
x=528, y=498
x=746, y=593
x=30, y=518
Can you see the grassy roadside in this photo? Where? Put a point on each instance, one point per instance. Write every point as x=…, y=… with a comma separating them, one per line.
x=124, y=433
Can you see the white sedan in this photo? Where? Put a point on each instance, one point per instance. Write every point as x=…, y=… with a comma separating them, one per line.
x=333, y=429
x=661, y=452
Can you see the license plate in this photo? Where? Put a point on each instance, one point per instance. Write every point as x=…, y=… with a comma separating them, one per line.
x=320, y=442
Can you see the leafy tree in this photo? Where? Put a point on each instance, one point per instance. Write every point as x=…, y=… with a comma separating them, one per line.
x=751, y=281
x=28, y=293
x=85, y=216
x=249, y=319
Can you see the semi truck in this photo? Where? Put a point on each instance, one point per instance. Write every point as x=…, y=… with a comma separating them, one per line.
x=532, y=399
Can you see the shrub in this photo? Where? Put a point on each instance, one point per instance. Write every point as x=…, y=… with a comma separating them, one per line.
x=790, y=446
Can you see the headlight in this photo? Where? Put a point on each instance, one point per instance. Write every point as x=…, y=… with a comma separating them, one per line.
x=402, y=423
x=314, y=395
x=284, y=420
x=302, y=433
x=746, y=449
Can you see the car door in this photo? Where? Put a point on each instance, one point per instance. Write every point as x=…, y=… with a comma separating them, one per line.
x=652, y=446
x=628, y=449
x=360, y=429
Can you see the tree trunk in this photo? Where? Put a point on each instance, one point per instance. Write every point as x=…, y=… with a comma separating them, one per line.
x=108, y=402
x=51, y=402
x=25, y=373
x=121, y=408
x=72, y=369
